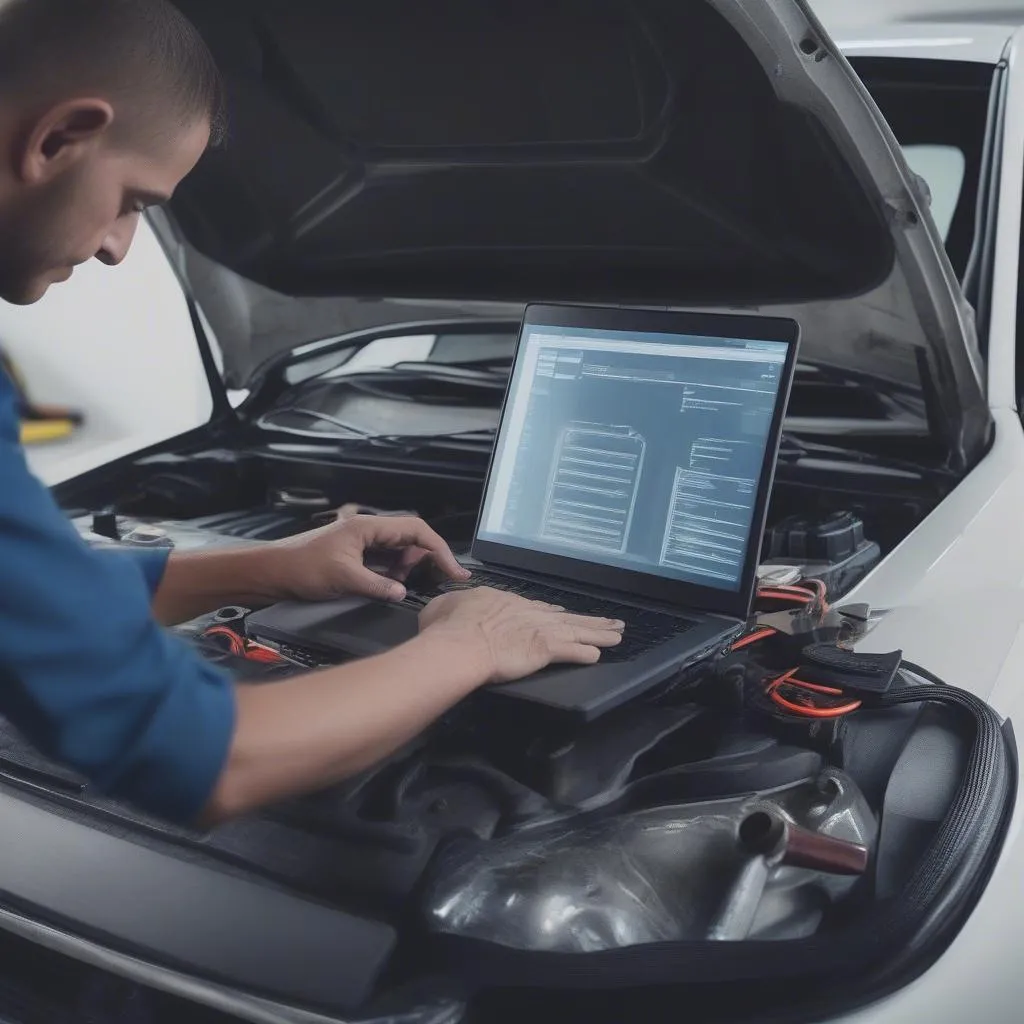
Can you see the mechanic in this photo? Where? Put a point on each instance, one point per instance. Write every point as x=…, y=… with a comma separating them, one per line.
x=105, y=105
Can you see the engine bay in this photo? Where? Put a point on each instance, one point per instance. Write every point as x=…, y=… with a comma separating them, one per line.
x=836, y=523
x=671, y=817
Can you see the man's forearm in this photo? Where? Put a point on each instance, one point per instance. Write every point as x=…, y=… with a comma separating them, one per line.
x=200, y=582
x=314, y=730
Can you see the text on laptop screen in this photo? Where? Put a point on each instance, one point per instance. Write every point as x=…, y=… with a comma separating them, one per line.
x=638, y=451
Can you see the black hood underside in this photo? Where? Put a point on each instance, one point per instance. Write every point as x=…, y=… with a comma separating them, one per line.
x=539, y=150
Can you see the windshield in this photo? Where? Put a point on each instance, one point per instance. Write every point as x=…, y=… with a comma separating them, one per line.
x=937, y=110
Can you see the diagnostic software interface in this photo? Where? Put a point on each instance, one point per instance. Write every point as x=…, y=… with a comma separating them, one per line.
x=639, y=451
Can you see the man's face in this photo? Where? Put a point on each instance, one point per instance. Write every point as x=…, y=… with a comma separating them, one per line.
x=67, y=206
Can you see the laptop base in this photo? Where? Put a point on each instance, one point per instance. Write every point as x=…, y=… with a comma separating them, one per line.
x=355, y=627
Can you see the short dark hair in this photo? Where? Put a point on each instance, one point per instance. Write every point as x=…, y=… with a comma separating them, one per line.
x=145, y=51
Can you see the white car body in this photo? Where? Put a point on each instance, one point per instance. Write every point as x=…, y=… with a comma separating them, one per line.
x=954, y=589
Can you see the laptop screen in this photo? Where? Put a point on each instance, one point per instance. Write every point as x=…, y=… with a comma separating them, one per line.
x=638, y=449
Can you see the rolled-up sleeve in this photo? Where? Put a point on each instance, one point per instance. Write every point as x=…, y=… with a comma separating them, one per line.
x=86, y=672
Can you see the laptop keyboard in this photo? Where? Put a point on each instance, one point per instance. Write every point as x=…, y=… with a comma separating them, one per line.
x=644, y=631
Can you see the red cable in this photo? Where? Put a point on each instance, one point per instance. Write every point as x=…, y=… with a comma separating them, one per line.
x=753, y=638
x=781, y=595
x=235, y=643
x=241, y=647
x=814, y=592
x=808, y=711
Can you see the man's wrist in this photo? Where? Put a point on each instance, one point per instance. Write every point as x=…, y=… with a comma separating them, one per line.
x=462, y=655
x=238, y=574
x=266, y=571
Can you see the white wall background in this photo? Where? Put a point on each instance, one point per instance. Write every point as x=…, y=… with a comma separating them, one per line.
x=118, y=344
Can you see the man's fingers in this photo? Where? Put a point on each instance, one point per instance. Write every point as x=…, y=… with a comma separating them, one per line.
x=577, y=640
x=406, y=562
x=591, y=622
x=599, y=637
x=408, y=532
x=575, y=654
x=589, y=636
x=375, y=586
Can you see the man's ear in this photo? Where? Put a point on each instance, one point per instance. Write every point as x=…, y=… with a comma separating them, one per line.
x=61, y=137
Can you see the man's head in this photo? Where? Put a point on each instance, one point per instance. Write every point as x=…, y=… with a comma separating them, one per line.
x=105, y=105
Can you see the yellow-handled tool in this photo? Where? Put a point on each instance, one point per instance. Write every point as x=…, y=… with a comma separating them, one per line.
x=39, y=423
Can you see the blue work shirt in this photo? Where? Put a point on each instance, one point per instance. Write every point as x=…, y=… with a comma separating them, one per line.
x=86, y=673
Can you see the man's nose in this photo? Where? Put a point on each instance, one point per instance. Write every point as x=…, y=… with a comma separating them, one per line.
x=118, y=241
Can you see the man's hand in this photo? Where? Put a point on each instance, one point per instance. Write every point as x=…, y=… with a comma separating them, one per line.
x=315, y=566
x=514, y=637
x=331, y=561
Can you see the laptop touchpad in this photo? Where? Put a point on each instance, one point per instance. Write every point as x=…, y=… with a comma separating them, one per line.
x=377, y=626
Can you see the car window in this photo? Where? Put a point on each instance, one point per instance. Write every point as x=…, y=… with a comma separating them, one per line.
x=938, y=110
x=943, y=169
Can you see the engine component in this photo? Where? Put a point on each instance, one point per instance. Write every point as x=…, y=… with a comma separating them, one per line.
x=834, y=550
x=771, y=840
x=765, y=832
x=832, y=540
x=107, y=529
x=232, y=615
x=105, y=524
x=667, y=874
x=148, y=537
x=778, y=575
x=863, y=673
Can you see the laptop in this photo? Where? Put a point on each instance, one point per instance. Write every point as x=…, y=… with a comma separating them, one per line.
x=630, y=478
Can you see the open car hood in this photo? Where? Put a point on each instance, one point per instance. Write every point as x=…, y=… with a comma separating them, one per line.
x=671, y=152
